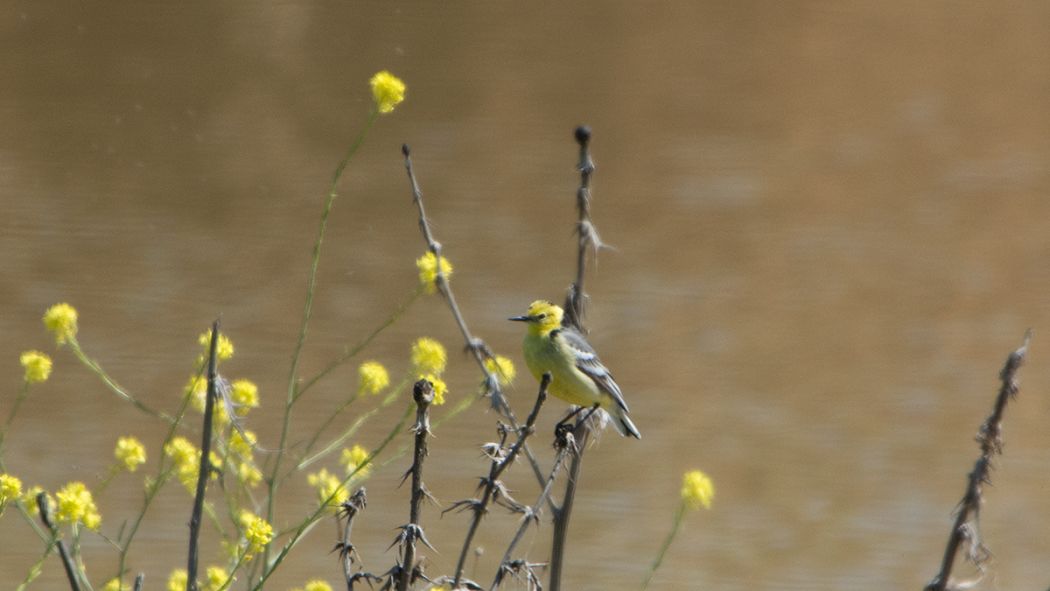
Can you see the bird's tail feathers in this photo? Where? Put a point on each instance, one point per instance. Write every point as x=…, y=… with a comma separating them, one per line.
x=624, y=425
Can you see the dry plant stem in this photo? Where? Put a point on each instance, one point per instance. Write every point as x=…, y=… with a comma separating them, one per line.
x=311, y=287
x=989, y=437
x=581, y=434
x=495, y=471
x=350, y=508
x=476, y=346
x=205, y=464
x=532, y=513
x=423, y=393
x=585, y=232
x=67, y=560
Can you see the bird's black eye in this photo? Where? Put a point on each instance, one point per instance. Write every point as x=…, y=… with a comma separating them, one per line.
x=541, y=316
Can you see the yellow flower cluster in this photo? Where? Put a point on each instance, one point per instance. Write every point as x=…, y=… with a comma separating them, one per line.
x=257, y=532
x=429, y=360
x=37, y=366
x=130, y=453
x=29, y=500
x=178, y=579
x=372, y=378
x=61, y=320
x=76, y=505
x=223, y=349
x=10, y=490
x=197, y=390
x=114, y=585
x=216, y=577
x=241, y=448
x=697, y=490
x=186, y=458
x=314, y=585
x=245, y=396
x=354, y=458
x=502, y=368
x=328, y=485
x=428, y=271
x=387, y=90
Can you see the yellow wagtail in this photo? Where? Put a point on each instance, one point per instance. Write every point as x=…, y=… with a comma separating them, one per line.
x=577, y=375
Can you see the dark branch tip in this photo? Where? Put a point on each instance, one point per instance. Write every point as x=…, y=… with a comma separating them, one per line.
x=582, y=134
x=405, y=150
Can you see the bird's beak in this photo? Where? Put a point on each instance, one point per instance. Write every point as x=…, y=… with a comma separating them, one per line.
x=521, y=318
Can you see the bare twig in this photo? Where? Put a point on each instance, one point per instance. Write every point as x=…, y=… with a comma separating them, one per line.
x=475, y=345
x=205, y=463
x=581, y=435
x=989, y=437
x=423, y=393
x=141, y=578
x=67, y=560
x=586, y=233
x=492, y=485
x=347, y=553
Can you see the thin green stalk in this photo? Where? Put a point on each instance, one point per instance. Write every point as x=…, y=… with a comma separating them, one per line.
x=311, y=286
x=678, y=515
x=349, y=432
x=38, y=566
x=22, y=393
x=74, y=345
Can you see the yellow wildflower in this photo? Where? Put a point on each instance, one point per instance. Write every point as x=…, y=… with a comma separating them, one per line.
x=29, y=500
x=61, y=320
x=186, y=458
x=372, y=378
x=223, y=349
x=697, y=490
x=197, y=390
x=355, y=457
x=249, y=473
x=387, y=90
x=428, y=356
x=10, y=490
x=130, y=453
x=257, y=532
x=245, y=396
x=216, y=577
x=242, y=445
x=502, y=368
x=37, y=366
x=314, y=585
x=178, y=579
x=328, y=485
x=428, y=271
x=440, y=388
x=114, y=585
x=75, y=504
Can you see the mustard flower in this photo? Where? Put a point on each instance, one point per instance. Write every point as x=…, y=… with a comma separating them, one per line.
x=223, y=349
x=314, y=585
x=354, y=457
x=428, y=356
x=61, y=320
x=248, y=473
x=697, y=490
x=502, y=368
x=257, y=532
x=387, y=90
x=428, y=271
x=372, y=378
x=242, y=445
x=130, y=453
x=328, y=485
x=197, y=390
x=187, y=459
x=440, y=388
x=29, y=500
x=37, y=366
x=178, y=579
x=75, y=504
x=216, y=577
x=10, y=490
x=245, y=396
x=113, y=585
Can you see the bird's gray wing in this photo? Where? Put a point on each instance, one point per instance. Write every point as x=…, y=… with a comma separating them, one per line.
x=587, y=361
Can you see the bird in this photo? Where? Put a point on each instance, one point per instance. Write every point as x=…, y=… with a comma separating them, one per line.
x=577, y=375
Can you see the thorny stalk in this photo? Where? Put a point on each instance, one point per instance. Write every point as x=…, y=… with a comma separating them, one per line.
x=347, y=553
x=492, y=485
x=989, y=437
x=205, y=463
x=423, y=394
x=475, y=345
x=67, y=560
x=564, y=445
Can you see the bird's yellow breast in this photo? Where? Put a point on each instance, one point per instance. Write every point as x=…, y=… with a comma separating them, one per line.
x=545, y=354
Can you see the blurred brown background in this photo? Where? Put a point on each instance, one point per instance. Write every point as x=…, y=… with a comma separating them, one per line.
x=829, y=223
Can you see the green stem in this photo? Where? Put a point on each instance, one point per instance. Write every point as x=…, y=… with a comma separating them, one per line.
x=111, y=383
x=311, y=286
x=678, y=515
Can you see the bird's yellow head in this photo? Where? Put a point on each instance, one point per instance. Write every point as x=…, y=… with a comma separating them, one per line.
x=543, y=317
